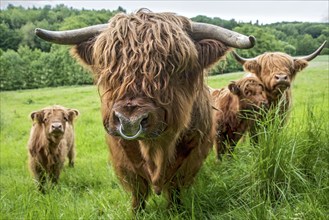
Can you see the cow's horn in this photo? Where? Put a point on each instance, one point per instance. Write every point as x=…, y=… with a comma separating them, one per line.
x=241, y=59
x=314, y=54
x=230, y=38
x=199, y=31
x=70, y=37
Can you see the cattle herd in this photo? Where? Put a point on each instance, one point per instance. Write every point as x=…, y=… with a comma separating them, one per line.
x=160, y=117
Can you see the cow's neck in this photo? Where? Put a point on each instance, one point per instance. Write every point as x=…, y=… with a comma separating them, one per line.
x=158, y=154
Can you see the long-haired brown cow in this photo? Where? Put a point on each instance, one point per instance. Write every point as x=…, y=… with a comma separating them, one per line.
x=155, y=107
x=236, y=108
x=277, y=71
x=51, y=141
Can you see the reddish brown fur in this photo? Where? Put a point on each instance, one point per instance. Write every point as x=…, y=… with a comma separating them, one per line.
x=51, y=140
x=267, y=67
x=146, y=64
x=235, y=111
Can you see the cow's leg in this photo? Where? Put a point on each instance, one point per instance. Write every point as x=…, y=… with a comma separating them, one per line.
x=173, y=193
x=137, y=185
x=71, y=156
x=220, y=149
x=55, y=172
x=41, y=177
x=139, y=190
x=41, y=182
x=39, y=174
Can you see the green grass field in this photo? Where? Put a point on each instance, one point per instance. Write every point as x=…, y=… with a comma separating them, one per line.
x=285, y=177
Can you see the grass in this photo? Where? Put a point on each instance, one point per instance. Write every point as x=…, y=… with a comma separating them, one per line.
x=285, y=177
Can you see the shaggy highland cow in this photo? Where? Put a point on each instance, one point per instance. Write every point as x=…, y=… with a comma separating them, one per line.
x=277, y=71
x=236, y=109
x=156, y=108
x=51, y=141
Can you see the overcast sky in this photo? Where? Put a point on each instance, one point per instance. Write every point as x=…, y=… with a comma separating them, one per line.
x=263, y=11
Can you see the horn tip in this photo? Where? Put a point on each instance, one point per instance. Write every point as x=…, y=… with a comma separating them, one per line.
x=252, y=40
x=324, y=42
x=38, y=31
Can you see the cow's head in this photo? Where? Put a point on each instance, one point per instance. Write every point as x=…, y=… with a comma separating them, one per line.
x=149, y=67
x=276, y=70
x=251, y=93
x=54, y=120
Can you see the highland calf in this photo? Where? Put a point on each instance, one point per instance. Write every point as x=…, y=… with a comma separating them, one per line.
x=277, y=71
x=236, y=108
x=51, y=141
x=156, y=108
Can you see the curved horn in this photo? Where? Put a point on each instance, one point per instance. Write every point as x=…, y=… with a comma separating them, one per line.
x=230, y=38
x=241, y=59
x=312, y=55
x=70, y=37
x=199, y=31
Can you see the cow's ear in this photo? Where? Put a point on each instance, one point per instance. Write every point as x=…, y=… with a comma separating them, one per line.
x=234, y=88
x=211, y=51
x=73, y=113
x=252, y=66
x=300, y=64
x=37, y=116
x=83, y=52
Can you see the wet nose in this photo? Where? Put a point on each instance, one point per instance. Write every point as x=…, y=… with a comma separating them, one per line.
x=131, y=126
x=281, y=78
x=56, y=126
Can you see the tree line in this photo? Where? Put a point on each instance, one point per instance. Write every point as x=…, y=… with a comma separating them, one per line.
x=27, y=62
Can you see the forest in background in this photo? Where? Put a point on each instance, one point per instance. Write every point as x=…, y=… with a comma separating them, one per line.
x=28, y=62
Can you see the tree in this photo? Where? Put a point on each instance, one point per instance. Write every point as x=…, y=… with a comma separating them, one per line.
x=305, y=45
x=10, y=39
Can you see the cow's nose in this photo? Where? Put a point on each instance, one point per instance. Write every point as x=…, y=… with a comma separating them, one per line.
x=56, y=126
x=281, y=78
x=131, y=127
x=264, y=104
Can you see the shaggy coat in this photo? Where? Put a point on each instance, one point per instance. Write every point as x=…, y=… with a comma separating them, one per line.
x=155, y=106
x=236, y=109
x=51, y=140
x=277, y=71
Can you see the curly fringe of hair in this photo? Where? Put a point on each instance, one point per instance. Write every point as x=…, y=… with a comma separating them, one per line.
x=279, y=61
x=140, y=53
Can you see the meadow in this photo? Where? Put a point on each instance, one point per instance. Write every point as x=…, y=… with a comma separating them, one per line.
x=285, y=177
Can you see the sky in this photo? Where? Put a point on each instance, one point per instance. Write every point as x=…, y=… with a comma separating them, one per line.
x=264, y=11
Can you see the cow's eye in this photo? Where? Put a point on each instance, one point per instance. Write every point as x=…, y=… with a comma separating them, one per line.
x=45, y=119
x=248, y=93
x=66, y=118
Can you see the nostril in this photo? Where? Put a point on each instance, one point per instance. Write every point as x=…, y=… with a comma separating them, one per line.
x=120, y=118
x=116, y=117
x=56, y=126
x=144, y=121
x=285, y=77
x=277, y=77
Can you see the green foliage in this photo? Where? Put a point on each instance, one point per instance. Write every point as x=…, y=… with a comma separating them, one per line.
x=27, y=69
x=286, y=176
x=17, y=31
x=10, y=38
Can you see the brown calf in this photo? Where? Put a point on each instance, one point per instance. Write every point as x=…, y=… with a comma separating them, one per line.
x=51, y=140
x=277, y=71
x=235, y=111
